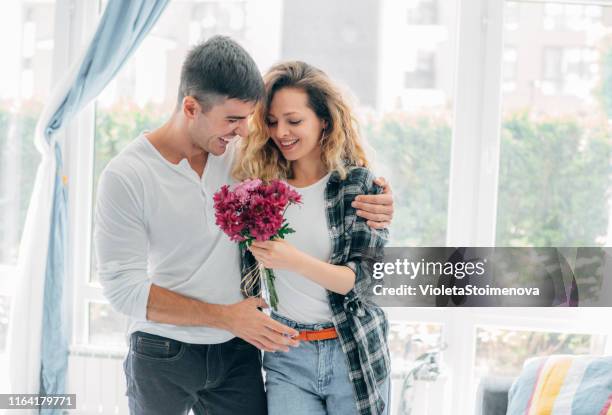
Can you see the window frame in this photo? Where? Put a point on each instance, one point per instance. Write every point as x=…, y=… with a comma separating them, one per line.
x=79, y=156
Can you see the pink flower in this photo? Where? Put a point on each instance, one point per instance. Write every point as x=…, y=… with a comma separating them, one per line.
x=244, y=189
x=253, y=210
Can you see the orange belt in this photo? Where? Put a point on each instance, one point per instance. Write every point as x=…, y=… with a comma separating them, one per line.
x=325, y=334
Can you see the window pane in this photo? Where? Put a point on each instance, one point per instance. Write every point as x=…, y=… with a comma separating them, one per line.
x=5, y=312
x=408, y=123
x=106, y=327
x=502, y=352
x=423, y=12
x=422, y=74
x=25, y=76
x=417, y=382
x=408, y=341
x=556, y=124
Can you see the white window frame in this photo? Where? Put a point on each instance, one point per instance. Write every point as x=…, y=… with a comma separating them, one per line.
x=79, y=162
x=472, y=202
x=472, y=195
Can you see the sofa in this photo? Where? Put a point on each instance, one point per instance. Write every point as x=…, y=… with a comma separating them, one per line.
x=551, y=385
x=492, y=396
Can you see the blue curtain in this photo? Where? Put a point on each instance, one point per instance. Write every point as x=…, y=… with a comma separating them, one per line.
x=121, y=29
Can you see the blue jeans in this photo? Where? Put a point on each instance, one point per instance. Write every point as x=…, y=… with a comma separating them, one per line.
x=311, y=379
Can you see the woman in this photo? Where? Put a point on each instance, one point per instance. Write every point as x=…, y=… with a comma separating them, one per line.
x=304, y=132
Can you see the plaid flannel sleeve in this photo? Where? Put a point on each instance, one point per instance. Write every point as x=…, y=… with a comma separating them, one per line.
x=366, y=244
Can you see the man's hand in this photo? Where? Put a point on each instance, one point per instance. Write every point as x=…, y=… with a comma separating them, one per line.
x=246, y=321
x=243, y=319
x=377, y=209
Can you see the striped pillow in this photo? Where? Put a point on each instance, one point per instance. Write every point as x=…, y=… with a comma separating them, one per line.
x=563, y=385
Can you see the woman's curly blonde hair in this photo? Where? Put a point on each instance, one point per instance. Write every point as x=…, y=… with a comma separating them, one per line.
x=258, y=155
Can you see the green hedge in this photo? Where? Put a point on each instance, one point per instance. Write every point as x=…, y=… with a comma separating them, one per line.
x=553, y=177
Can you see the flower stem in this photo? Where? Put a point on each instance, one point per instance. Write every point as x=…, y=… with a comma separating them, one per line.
x=273, y=295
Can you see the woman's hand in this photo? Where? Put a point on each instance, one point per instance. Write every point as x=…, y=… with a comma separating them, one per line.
x=280, y=254
x=276, y=254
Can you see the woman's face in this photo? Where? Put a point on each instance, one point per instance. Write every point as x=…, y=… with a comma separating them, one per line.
x=294, y=127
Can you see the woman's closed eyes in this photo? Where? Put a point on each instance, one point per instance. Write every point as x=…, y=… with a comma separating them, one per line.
x=272, y=123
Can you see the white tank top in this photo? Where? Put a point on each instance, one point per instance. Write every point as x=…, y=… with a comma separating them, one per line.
x=299, y=298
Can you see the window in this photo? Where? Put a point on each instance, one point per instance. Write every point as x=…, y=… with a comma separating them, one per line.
x=213, y=18
x=570, y=71
x=511, y=16
x=502, y=351
x=509, y=69
x=25, y=77
x=5, y=304
x=574, y=17
x=423, y=74
x=555, y=150
x=416, y=366
x=552, y=69
x=366, y=51
x=422, y=12
x=408, y=341
x=106, y=327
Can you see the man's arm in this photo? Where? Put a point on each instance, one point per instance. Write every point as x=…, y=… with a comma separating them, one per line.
x=121, y=249
x=243, y=319
x=376, y=209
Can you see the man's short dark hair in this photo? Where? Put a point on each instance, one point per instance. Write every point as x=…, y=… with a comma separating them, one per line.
x=219, y=68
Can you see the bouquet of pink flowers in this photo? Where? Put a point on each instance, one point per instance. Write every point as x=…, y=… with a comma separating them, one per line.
x=254, y=210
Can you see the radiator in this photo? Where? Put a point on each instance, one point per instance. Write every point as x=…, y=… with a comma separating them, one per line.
x=97, y=379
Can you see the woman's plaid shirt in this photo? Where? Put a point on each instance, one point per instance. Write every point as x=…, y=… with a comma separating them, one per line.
x=361, y=325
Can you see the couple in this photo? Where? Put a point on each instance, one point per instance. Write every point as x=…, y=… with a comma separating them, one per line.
x=194, y=340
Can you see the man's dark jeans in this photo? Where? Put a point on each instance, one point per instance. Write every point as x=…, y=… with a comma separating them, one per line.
x=169, y=377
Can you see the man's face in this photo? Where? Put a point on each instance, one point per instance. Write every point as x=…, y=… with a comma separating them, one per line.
x=214, y=129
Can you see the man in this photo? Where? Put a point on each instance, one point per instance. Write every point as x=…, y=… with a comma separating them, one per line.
x=162, y=261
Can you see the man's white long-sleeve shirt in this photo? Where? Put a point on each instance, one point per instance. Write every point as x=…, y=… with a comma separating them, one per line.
x=154, y=223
